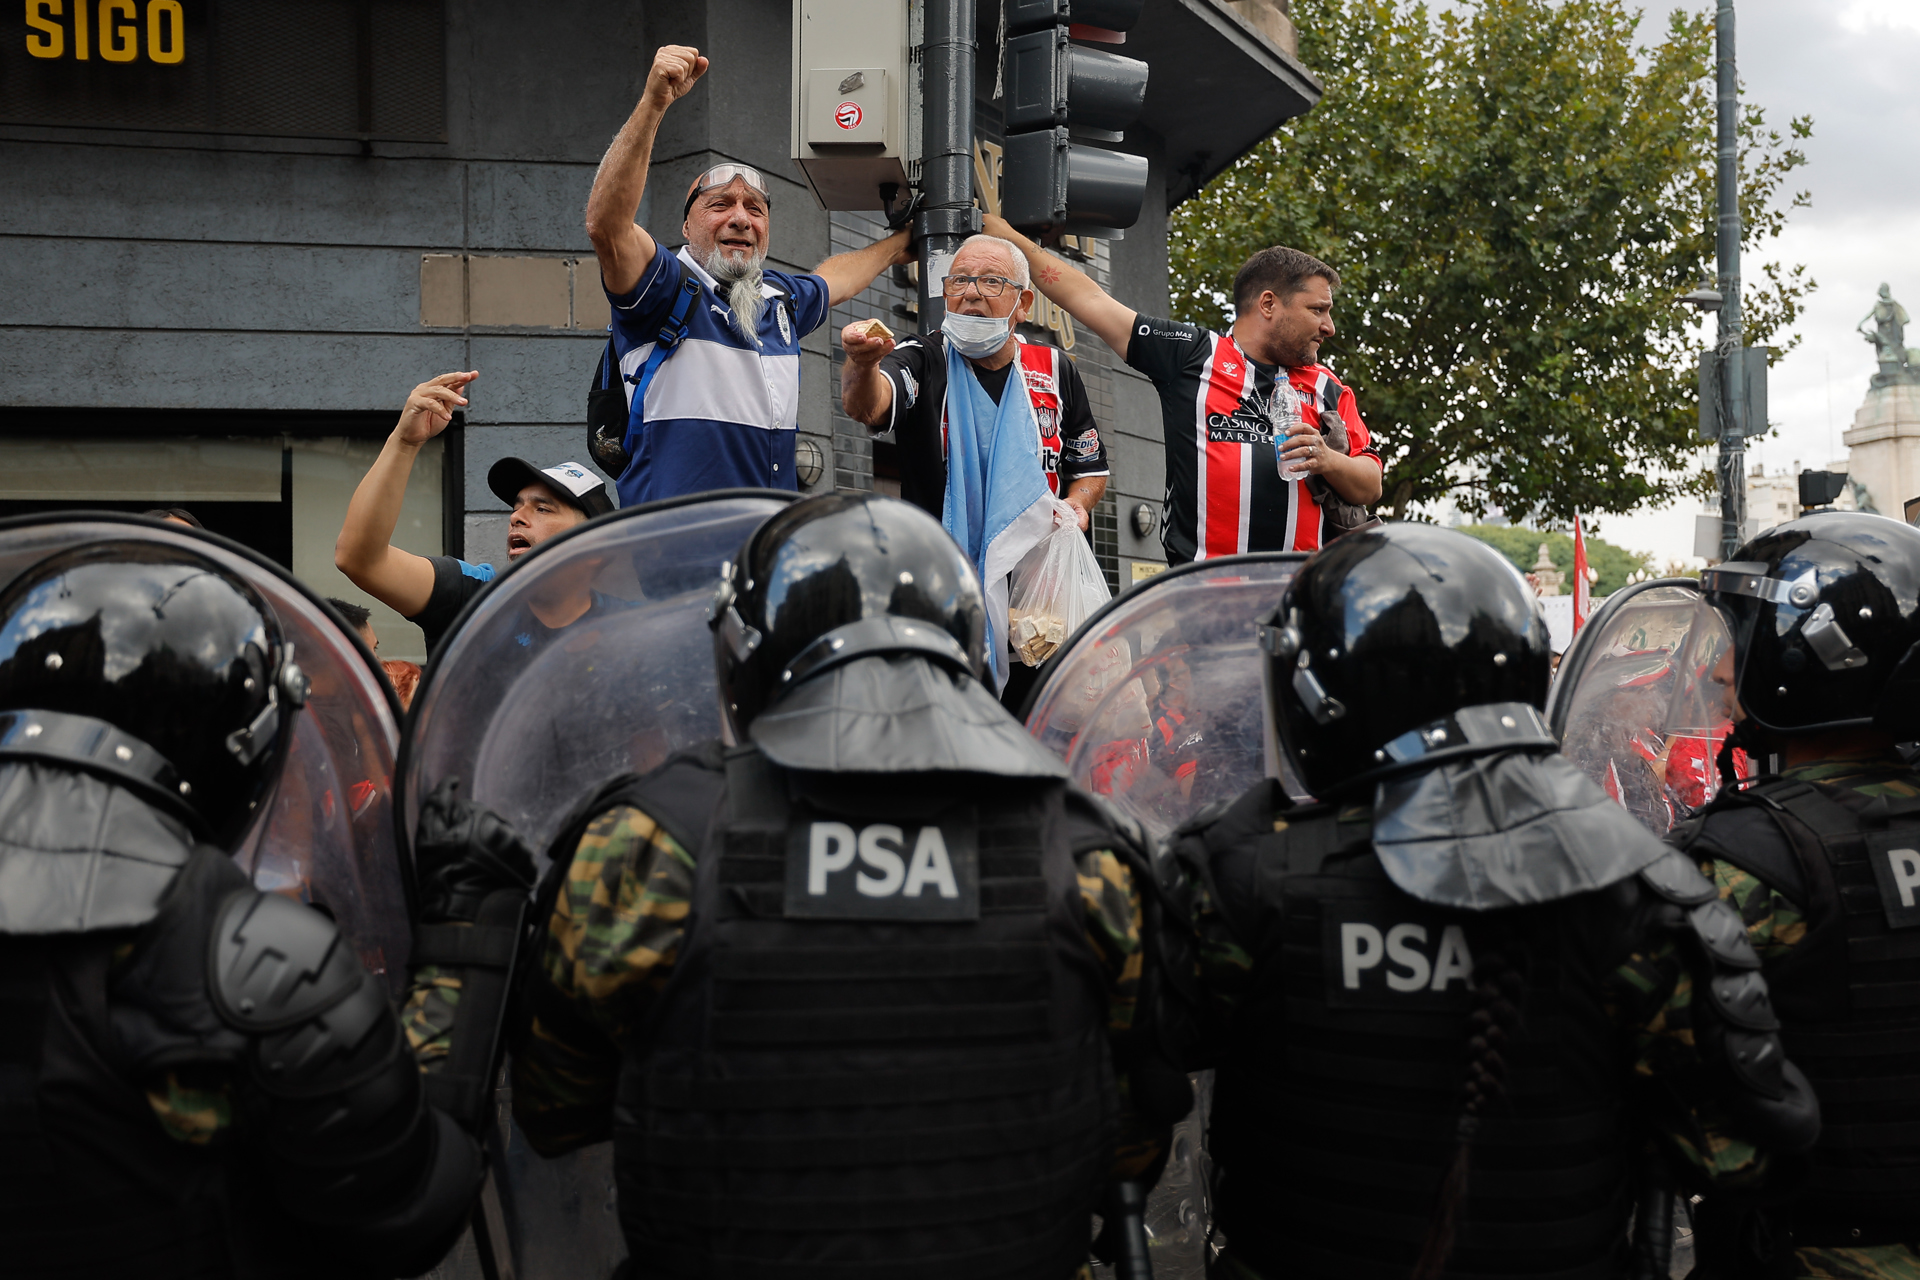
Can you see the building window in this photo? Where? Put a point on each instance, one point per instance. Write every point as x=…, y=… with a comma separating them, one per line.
x=314, y=68
x=284, y=496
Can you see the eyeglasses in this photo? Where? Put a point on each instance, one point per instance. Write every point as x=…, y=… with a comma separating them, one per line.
x=722, y=174
x=989, y=286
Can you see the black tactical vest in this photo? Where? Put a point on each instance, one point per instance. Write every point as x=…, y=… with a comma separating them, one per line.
x=90, y=1183
x=1338, y=1096
x=883, y=1050
x=1848, y=993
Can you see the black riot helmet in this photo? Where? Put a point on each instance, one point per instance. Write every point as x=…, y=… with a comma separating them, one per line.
x=1823, y=614
x=1400, y=645
x=837, y=577
x=155, y=666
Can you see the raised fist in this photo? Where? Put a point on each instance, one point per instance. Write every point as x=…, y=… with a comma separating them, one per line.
x=675, y=68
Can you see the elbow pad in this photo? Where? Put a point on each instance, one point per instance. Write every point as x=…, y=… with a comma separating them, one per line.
x=334, y=1092
x=1734, y=1026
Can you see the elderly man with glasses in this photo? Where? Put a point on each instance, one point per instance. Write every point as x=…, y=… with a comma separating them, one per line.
x=954, y=406
x=723, y=409
x=903, y=387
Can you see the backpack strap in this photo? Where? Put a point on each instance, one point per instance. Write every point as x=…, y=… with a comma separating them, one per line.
x=672, y=333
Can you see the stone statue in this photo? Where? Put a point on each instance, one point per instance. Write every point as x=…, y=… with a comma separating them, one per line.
x=1889, y=339
x=1545, y=578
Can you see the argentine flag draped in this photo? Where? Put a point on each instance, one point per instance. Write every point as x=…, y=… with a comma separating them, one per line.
x=998, y=505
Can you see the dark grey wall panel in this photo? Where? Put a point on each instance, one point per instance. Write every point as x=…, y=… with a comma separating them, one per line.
x=171, y=193
x=524, y=379
x=550, y=81
x=528, y=207
x=132, y=369
x=145, y=285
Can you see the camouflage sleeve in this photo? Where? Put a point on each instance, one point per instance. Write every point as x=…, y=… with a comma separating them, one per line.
x=1224, y=965
x=616, y=928
x=193, y=1106
x=1114, y=922
x=427, y=1015
x=1115, y=930
x=1774, y=924
x=1651, y=995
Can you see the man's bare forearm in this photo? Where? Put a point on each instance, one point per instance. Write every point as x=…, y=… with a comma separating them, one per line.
x=866, y=394
x=374, y=511
x=1357, y=479
x=848, y=274
x=1072, y=290
x=1087, y=491
x=624, y=249
x=621, y=180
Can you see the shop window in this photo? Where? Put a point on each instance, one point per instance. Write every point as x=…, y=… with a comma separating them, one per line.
x=283, y=496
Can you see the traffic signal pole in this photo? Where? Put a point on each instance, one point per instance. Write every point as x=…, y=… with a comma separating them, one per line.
x=1732, y=464
x=946, y=173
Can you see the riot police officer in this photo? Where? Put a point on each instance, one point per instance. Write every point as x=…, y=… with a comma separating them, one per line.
x=1445, y=1002
x=1819, y=861
x=196, y=1078
x=839, y=987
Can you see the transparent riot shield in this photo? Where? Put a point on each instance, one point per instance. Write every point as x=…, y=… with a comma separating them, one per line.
x=1156, y=704
x=1635, y=703
x=590, y=659
x=325, y=835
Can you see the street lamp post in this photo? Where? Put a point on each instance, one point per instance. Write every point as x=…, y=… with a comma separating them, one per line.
x=1732, y=464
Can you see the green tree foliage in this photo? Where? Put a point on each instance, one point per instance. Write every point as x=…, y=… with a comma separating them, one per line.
x=1515, y=196
x=1522, y=546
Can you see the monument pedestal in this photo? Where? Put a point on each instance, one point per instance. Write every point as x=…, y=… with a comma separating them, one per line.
x=1884, y=446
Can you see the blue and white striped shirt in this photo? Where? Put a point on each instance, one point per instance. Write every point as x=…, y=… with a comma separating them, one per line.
x=718, y=413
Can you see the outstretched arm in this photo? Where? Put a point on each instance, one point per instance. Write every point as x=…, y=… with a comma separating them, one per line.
x=1072, y=289
x=364, y=552
x=847, y=274
x=623, y=247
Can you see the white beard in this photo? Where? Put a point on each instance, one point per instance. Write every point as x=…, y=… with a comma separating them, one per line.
x=743, y=278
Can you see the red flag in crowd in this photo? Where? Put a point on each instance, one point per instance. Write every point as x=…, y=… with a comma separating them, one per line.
x=1582, y=593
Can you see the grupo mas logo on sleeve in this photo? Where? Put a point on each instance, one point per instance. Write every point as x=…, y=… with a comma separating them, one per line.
x=844, y=869
x=1382, y=958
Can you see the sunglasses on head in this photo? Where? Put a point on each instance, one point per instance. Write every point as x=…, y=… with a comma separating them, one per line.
x=722, y=174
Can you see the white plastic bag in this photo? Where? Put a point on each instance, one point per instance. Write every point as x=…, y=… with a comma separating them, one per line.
x=1055, y=587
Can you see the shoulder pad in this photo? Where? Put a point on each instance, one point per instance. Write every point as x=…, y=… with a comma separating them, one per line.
x=274, y=962
x=1721, y=932
x=1678, y=880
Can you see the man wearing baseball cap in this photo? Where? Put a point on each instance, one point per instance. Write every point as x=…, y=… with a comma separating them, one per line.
x=720, y=408
x=430, y=591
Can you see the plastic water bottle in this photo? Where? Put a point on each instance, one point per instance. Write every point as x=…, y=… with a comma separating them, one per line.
x=1283, y=410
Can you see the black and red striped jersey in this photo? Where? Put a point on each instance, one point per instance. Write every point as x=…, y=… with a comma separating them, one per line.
x=1224, y=491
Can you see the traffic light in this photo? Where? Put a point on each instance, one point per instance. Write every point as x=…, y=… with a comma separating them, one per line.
x=1057, y=95
x=1820, y=488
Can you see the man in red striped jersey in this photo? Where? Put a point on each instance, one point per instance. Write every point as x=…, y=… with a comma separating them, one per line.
x=1240, y=405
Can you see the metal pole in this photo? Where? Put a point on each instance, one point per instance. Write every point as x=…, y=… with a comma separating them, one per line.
x=1732, y=467
x=946, y=172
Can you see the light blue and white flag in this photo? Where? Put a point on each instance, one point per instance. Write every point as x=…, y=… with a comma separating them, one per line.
x=998, y=505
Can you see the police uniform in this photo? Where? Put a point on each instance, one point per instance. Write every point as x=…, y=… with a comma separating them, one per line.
x=842, y=995
x=1466, y=894
x=196, y=1078
x=1820, y=864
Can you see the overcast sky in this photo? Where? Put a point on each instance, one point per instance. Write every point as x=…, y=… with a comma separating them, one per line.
x=1854, y=66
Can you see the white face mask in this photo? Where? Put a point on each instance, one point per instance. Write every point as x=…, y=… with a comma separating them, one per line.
x=976, y=337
